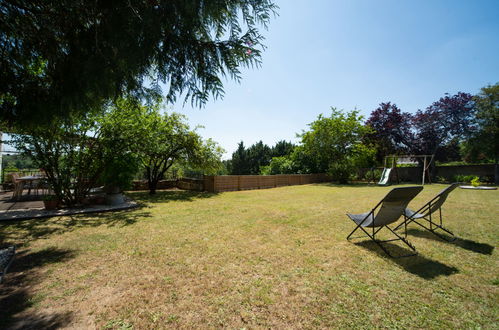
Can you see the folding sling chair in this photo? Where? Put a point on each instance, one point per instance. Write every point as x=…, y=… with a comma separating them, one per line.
x=387, y=211
x=425, y=213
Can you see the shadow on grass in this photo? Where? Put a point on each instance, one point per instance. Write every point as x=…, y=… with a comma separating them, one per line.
x=15, y=295
x=470, y=245
x=363, y=185
x=166, y=196
x=19, y=232
x=347, y=185
x=417, y=265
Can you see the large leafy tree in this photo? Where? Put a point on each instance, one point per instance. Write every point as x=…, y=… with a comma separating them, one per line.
x=333, y=143
x=160, y=140
x=70, y=153
x=484, y=142
x=449, y=119
x=392, y=132
x=60, y=56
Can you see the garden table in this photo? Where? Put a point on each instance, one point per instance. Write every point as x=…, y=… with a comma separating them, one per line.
x=30, y=179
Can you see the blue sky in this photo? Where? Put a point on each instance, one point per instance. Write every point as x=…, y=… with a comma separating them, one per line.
x=354, y=54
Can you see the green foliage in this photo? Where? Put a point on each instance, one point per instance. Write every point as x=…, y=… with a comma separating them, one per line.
x=282, y=148
x=50, y=198
x=441, y=179
x=475, y=182
x=257, y=158
x=341, y=172
x=69, y=152
x=239, y=162
x=334, y=144
x=206, y=162
x=483, y=145
x=119, y=171
x=364, y=156
x=109, y=148
x=17, y=162
x=279, y=165
x=376, y=174
x=159, y=140
x=259, y=155
x=63, y=57
x=464, y=178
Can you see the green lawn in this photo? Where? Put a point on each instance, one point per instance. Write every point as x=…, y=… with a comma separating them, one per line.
x=252, y=259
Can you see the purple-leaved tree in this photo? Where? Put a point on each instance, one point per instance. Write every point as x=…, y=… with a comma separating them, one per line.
x=392, y=130
x=450, y=119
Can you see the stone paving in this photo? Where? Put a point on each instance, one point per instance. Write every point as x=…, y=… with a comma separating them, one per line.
x=31, y=207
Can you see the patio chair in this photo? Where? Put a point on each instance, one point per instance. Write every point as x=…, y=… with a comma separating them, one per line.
x=387, y=211
x=18, y=186
x=426, y=212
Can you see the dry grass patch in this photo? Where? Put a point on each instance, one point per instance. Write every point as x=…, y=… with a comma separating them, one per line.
x=262, y=258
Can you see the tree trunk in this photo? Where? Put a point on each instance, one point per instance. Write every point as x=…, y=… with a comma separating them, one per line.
x=152, y=186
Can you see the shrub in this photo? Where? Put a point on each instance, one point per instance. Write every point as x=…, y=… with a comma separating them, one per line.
x=441, y=179
x=464, y=178
x=119, y=172
x=279, y=165
x=341, y=172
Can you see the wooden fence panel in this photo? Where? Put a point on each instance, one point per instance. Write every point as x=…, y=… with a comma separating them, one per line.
x=190, y=184
x=226, y=183
x=267, y=181
x=282, y=180
x=209, y=183
x=306, y=179
x=294, y=179
x=246, y=182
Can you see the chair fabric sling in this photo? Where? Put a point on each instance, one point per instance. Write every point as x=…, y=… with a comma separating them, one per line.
x=426, y=212
x=386, y=212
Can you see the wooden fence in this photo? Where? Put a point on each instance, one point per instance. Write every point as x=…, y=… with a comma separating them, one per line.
x=221, y=183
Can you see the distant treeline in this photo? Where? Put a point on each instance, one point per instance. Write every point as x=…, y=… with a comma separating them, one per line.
x=456, y=128
x=253, y=159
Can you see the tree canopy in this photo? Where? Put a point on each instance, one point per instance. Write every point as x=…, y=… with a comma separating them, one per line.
x=439, y=129
x=449, y=118
x=484, y=143
x=159, y=140
x=61, y=57
x=251, y=160
x=333, y=140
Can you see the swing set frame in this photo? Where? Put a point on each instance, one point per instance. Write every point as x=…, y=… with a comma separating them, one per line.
x=426, y=178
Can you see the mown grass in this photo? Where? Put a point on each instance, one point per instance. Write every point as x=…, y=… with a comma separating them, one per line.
x=252, y=259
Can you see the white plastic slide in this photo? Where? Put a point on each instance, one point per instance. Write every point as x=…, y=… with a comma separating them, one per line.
x=385, y=176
